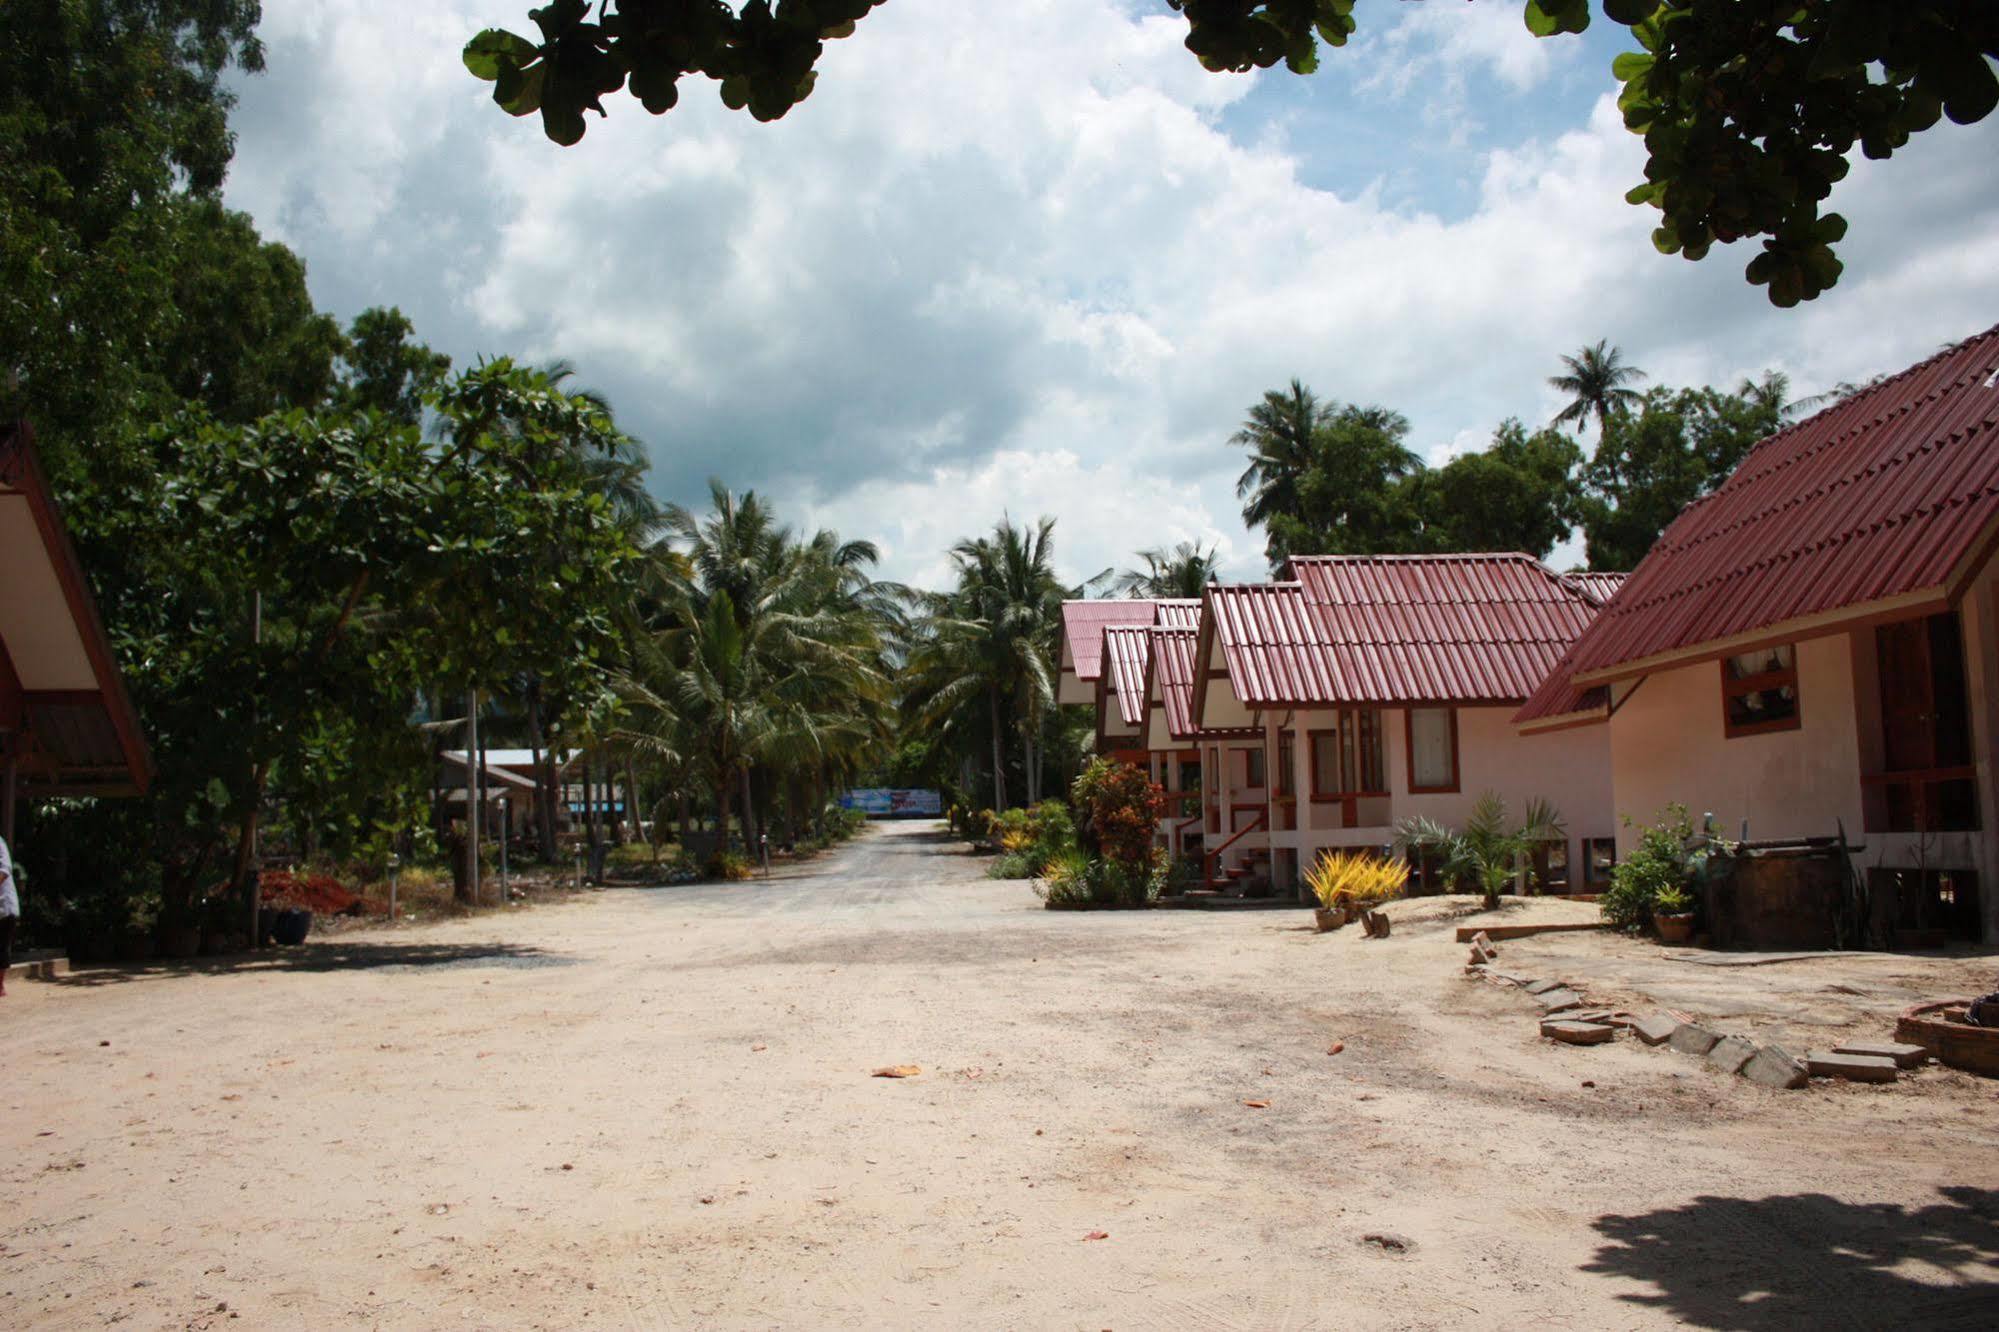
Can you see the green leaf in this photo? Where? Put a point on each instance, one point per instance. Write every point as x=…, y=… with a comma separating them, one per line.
x=1629, y=12
x=1632, y=65
x=494, y=49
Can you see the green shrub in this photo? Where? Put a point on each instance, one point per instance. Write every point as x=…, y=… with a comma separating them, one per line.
x=1032, y=839
x=728, y=866
x=1670, y=858
x=1076, y=881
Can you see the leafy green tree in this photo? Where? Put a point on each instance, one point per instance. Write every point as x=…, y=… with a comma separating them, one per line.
x=111, y=110
x=387, y=370
x=1521, y=493
x=1351, y=495
x=1655, y=459
x=1751, y=113
x=1181, y=572
x=1598, y=383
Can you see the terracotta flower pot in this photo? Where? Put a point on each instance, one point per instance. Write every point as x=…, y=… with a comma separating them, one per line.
x=1330, y=920
x=1675, y=927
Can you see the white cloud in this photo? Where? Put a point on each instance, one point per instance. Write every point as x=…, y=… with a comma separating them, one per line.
x=1007, y=258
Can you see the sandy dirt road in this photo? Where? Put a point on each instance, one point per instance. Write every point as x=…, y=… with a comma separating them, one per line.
x=652, y=1108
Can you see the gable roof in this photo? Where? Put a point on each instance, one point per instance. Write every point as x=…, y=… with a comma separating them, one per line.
x=64, y=713
x=1125, y=650
x=1083, y=625
x=1597, y=586
x=1177, y=613
x=1886, y=503
x=1275, y=647
x=1172, y=669
x=1467, y=629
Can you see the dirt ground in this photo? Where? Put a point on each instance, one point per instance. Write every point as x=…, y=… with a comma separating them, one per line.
x=653, y=1108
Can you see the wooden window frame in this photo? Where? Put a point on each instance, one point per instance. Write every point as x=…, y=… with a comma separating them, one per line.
x=1752, y=684
x=1409, y=748
x=1323, y=796
x=1250, y=757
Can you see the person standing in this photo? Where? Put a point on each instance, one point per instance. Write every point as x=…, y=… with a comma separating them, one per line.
x=10, y=913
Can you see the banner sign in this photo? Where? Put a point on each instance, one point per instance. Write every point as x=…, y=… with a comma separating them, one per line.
x=880, y=802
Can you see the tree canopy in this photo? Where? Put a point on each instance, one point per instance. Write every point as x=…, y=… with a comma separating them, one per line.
x=1751, y=113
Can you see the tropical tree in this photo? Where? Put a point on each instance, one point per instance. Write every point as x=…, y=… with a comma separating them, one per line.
x=764, y=663
x=1598, y=383
x=1181, y=572
x=1490, y=849
x=1280, y=433
x=984, y=659
x=1351, y=496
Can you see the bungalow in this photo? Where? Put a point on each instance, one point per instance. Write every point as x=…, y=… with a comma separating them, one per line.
x=1814, y=648
x=1108, y=650
x=66, y=724
x=1361, y=690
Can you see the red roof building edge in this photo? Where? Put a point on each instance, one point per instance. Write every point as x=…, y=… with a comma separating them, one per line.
x=1891, y=494
x=1083, y=625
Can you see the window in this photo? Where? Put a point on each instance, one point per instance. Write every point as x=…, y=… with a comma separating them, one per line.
x=1253, y=773
x=1346, y=761
x=1551, y=867
x=1599, y=860
x=1287, y=764
x=1190, y=774
x=1759, y=691
x=1433, y=750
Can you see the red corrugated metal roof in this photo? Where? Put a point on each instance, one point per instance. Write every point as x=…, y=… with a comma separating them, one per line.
x=1083, y=625
x=1598, y=587
x=1889, y=494
x=1177, y=614
x=1173, y=667
x=1274, y=645
x=1439, y=628
x=1125, y=649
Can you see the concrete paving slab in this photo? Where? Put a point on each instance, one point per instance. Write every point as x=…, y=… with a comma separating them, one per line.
x=1690, y=1038
x=1731, y=1053
x=1852, y=1067
x=1578, y=1033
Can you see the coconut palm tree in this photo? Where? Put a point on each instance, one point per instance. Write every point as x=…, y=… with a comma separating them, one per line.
x=1180, y=572
x=985, y=656
x=1598, y=383
x=1279, y=433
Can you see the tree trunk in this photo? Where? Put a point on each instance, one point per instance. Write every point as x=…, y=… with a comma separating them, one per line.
x=590, y=796
x=999, y=758
x=544, y=776
x=632, y=801
x=749, y=817
x=722, y=810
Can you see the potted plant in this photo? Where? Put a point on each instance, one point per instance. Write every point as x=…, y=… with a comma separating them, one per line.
x=1491, y=850
x=1673, y=914
x=1348, y=882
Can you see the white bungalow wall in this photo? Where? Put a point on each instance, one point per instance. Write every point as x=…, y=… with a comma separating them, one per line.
x=1669, y=745
x=1571, y=769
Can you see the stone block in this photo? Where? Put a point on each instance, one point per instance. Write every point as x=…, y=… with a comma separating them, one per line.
x=1852, y=1067
x=1689, y=1038
x=1654, y=1030
x=1904, y=1055
x=1484, y=940
x=1540, y=986
x=1774, y=1066
x=1731, y=1054
x=1556, y=1001
x=1577, y=1033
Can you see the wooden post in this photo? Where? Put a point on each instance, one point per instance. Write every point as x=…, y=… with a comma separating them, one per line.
x=8, y=782
x=472, y=798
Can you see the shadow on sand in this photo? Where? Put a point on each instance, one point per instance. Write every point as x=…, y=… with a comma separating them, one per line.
x=321, y=955
x=1808, y=1260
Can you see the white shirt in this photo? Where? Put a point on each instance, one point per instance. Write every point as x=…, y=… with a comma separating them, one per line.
x=10, y=901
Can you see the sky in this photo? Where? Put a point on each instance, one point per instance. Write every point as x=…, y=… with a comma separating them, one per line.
x=1029, y=259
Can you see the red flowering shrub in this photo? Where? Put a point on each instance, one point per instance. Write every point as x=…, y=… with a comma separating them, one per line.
x=1121, y=808
x=317, y=893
